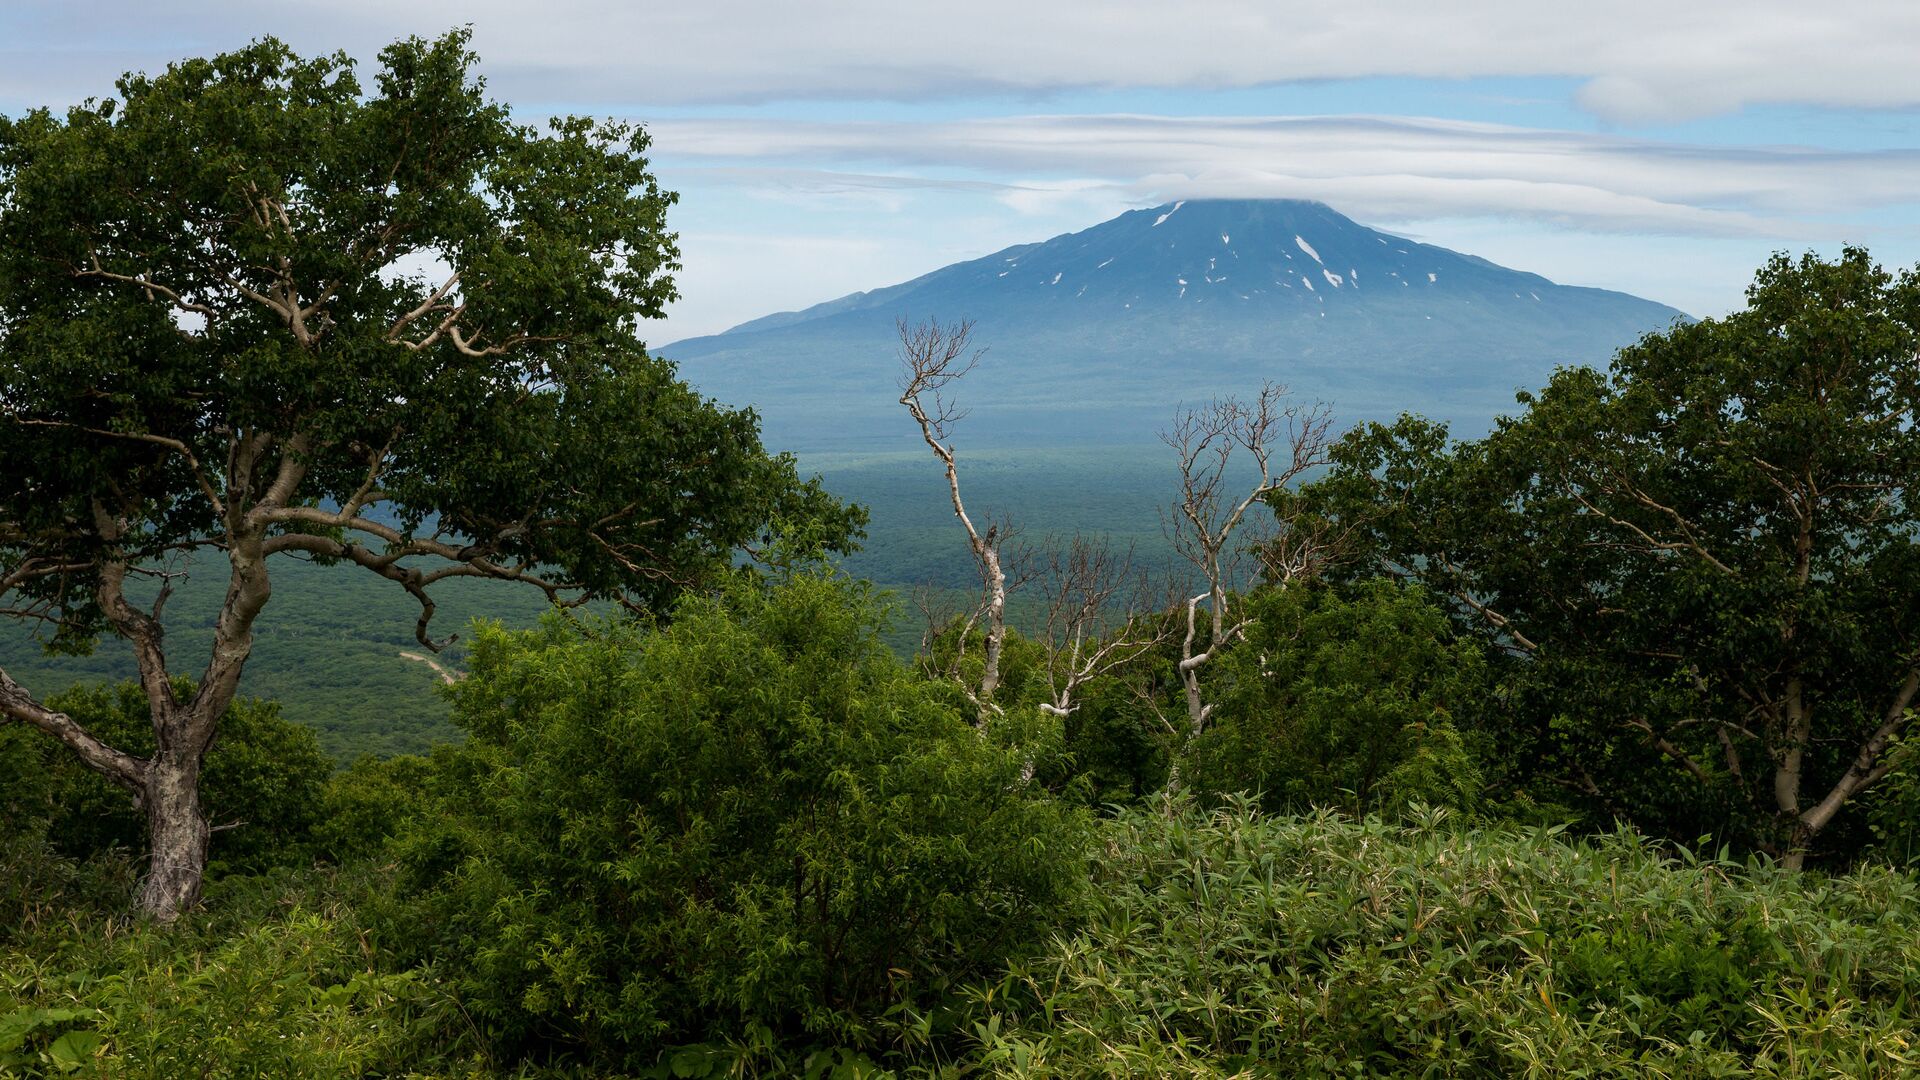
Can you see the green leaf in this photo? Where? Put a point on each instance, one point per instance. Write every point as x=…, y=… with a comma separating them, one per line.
x=692, y=1061
x=71, y=1050
x=16, y=1026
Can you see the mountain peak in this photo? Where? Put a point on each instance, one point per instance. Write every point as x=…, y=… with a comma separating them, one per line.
x=1185, y=300
x=1279, y=256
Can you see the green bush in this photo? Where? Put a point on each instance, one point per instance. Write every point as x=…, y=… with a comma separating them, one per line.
x=1233, y=944
x=370, y=802
x=261, y=789
x=1893, y=806
x=751, y=824
x=1353, y=700
x=1117, y=748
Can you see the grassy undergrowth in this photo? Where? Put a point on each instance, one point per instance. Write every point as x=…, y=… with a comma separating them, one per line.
x=1234, y=945
x=1216, y=944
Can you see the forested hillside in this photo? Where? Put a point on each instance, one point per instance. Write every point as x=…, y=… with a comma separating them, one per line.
x=339, y=656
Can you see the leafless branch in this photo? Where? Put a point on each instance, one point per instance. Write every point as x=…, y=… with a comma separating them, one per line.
x=933, y=355
x=1285, y=441
x=1098, y=619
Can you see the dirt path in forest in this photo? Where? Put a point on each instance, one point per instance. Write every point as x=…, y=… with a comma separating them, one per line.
x=446, y=676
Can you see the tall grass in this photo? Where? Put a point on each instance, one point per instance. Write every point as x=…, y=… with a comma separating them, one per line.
x=1231, y=944
x=1216, y=943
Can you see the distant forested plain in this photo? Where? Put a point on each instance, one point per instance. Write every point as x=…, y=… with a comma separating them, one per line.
x=336, y=646
x=335, y=653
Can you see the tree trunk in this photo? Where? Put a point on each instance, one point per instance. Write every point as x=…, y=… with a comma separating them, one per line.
x=996, y=580
x=177, y=837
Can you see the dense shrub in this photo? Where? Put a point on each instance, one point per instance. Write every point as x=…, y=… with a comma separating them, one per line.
x=1351, y=699
x=261, y=789
x=39, y=886
x=1118, y=750
x=1114, y=749
x=371, y=801
x=1893, y=806
x=1232, y=944
x=751, y=823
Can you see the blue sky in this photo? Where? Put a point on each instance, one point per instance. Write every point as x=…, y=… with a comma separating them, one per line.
x=1659, y=148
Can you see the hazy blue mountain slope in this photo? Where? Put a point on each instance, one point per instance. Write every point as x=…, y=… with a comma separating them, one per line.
x=1095, y=336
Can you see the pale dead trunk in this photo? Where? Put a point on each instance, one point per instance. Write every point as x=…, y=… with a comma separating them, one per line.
x=996, y=581
x=932, y=356
x=1196, y=708
x=1189, y=669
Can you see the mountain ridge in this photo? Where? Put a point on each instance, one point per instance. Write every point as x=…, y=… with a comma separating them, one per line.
x=1111, y=326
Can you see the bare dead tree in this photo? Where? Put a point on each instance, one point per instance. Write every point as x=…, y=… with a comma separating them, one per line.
x=938, y=613
x=1100, y=616
x=1299, y=546
x=933, y=355
x=1285, y=440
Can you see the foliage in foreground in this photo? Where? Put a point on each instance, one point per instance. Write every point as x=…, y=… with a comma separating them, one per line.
x=752, y=820
x=275, y=979
x=1217, y=943
x=1231, y=944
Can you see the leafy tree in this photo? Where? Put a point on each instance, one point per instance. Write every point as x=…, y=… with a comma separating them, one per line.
x=753, y=818
x=1363, y=702
x=250, y=310
x=1705, y=560
x=261, y=784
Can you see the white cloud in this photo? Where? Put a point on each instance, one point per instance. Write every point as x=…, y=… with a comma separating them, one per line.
x=1639, y=60
x=883, y=201
x=1378, y=168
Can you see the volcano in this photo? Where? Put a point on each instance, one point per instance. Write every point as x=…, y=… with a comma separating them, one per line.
x=1098, y=336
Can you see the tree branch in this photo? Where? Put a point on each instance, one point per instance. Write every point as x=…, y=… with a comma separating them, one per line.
x=148, y=285
x=199, y=475
x=122, y=768
x=431, y=303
